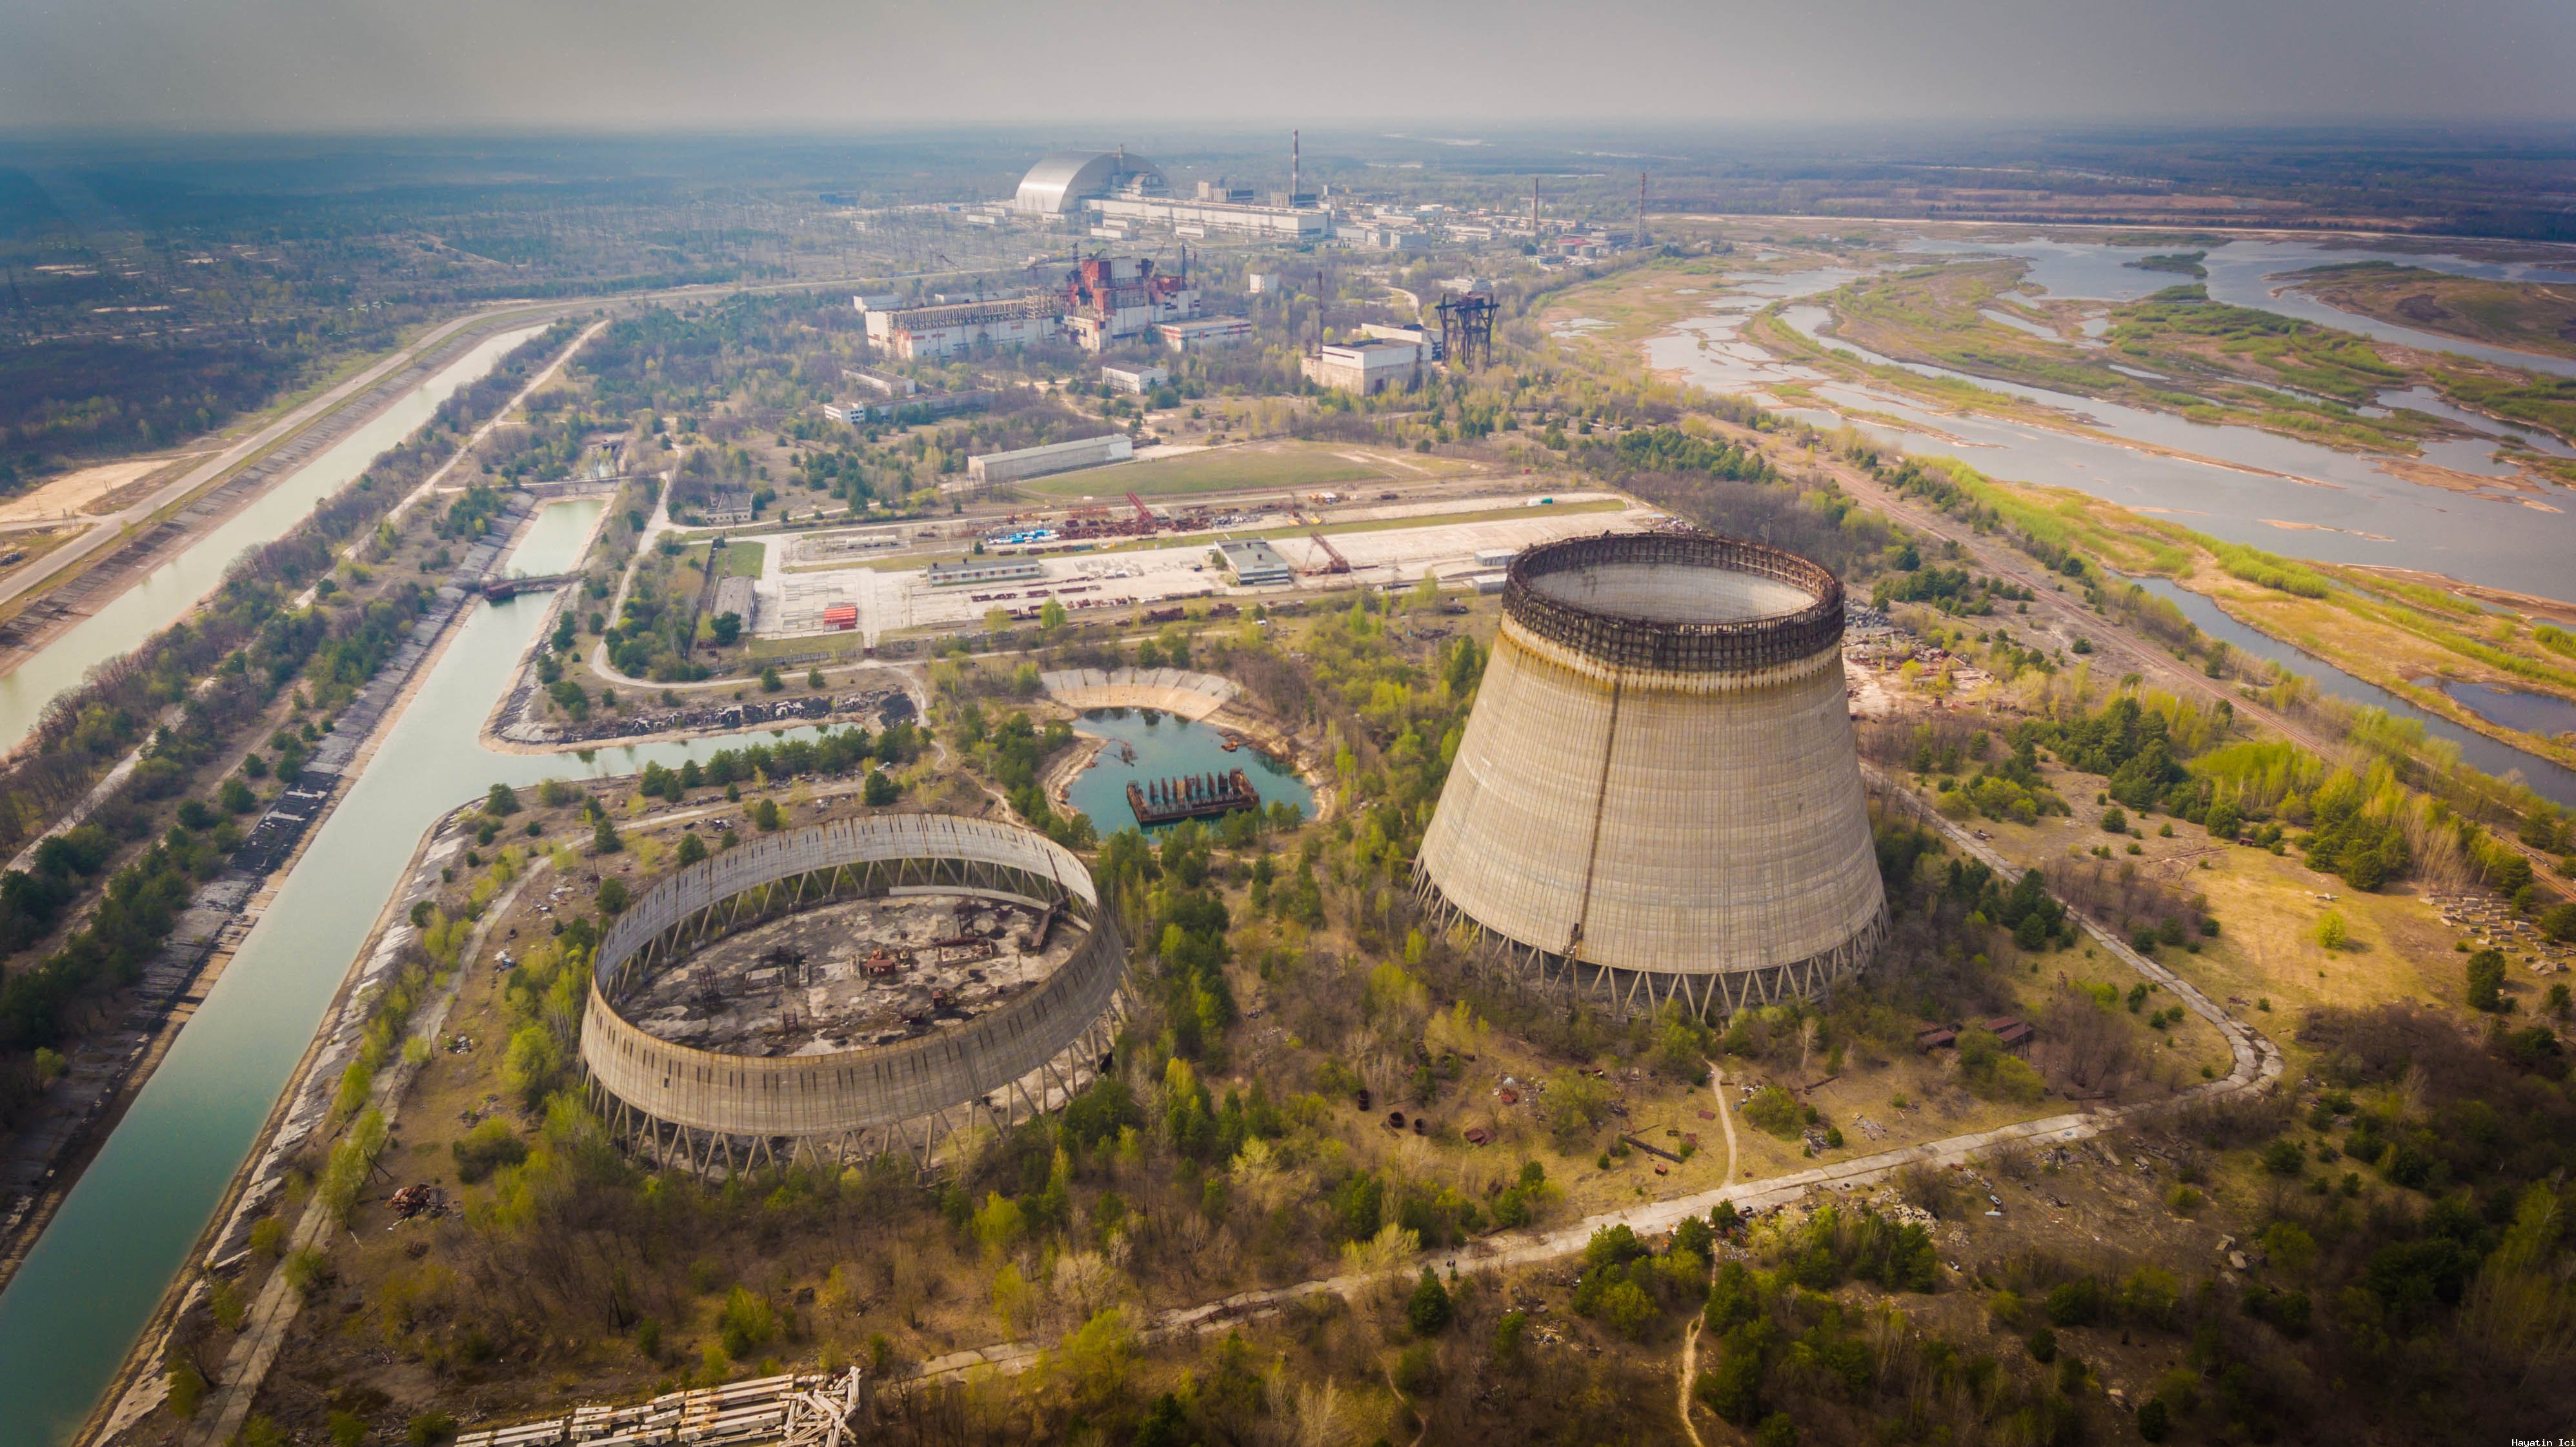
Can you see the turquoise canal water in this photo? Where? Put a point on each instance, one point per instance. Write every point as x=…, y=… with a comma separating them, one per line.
x=557, y=538
x=125, y=1231
x=1165, y=746
x=170, y=590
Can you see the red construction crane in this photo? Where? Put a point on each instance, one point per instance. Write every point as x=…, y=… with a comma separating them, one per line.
x=1144, y=515
x=1334, y=562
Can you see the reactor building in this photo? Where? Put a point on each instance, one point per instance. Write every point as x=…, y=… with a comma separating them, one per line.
x=861, y=987
x=1658, y=797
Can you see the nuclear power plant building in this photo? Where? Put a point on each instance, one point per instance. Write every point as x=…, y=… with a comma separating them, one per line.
x=1658, y=795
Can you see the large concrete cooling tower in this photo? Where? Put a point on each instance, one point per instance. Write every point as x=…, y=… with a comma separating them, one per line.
x=1658, y=794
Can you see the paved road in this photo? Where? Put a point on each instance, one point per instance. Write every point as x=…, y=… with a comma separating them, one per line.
x=2258, y=1066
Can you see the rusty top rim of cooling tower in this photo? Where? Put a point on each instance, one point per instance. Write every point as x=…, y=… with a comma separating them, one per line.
x=1632, y=641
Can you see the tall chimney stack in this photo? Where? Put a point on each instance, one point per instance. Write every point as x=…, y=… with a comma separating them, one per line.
x=1293, y=160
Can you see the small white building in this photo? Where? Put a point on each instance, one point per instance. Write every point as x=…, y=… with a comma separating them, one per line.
x=1205, y=332
x=1366, y=367
x=1135, y=379
x=1413, y=332
x=884, y=384
x=1254, y=563
x=1259, y=282
x=1054, y=457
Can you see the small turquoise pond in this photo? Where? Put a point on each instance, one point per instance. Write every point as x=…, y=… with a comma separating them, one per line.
x=1147, y=744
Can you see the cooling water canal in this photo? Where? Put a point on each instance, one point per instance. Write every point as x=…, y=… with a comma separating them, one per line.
x=170, y=590
x=1145, y=745
x=93, y=1278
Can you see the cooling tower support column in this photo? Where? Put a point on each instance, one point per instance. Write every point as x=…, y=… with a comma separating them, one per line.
x=1658, y=796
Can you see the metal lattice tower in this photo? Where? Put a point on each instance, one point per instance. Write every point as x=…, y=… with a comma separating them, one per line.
x=1467, y=330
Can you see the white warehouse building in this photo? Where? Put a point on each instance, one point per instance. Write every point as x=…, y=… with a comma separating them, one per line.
x=1054, y=457
x=1366, y=367
x=927, y=333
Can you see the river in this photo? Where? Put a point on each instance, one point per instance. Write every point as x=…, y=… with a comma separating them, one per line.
x=2242, y=483
x=2546, y=777
x=2239, y=483
x=126, y=1229
x=162, y=596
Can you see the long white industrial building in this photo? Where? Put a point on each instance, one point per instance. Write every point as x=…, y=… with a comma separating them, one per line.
x=994, y=467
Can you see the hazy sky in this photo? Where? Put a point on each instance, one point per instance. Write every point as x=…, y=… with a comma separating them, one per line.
x=657, y=64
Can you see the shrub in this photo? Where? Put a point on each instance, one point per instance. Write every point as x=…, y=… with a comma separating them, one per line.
x=2332, y=934
x=2042, y=1345
x=1417, y=1373
x=2077, y=1303
x=1734, y=1390
x=1625, y=1308
x=187, y=1386
x=748, y=1323
x=306, y=1270
x=2486, y=980
x=1774, y=1110
x=2154, y=1420
x=486, y=1149
x=1429, y=1310
x=2114, y=821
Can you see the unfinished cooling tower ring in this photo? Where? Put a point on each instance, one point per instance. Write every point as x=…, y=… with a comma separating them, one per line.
x=714, y=1112
x=1748, y=646
x=1657, y=795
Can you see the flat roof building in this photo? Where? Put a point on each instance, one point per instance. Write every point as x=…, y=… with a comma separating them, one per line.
x=1366, y=367
x=983, y=570
x=1408, y=332
x=993, y=467
x=1254, y=563
x=931, y=332
x=1135, y=379
x=1216, y=218
x=737, y=596
x=1205, y=332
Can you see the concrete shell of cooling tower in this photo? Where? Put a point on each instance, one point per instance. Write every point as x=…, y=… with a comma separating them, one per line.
x=1658, y=793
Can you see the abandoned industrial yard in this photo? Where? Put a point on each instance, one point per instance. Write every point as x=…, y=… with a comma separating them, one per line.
x=754, y=731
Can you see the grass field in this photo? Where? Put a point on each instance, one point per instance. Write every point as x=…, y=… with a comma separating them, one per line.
x=1222, y=470
x=2532, y=316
